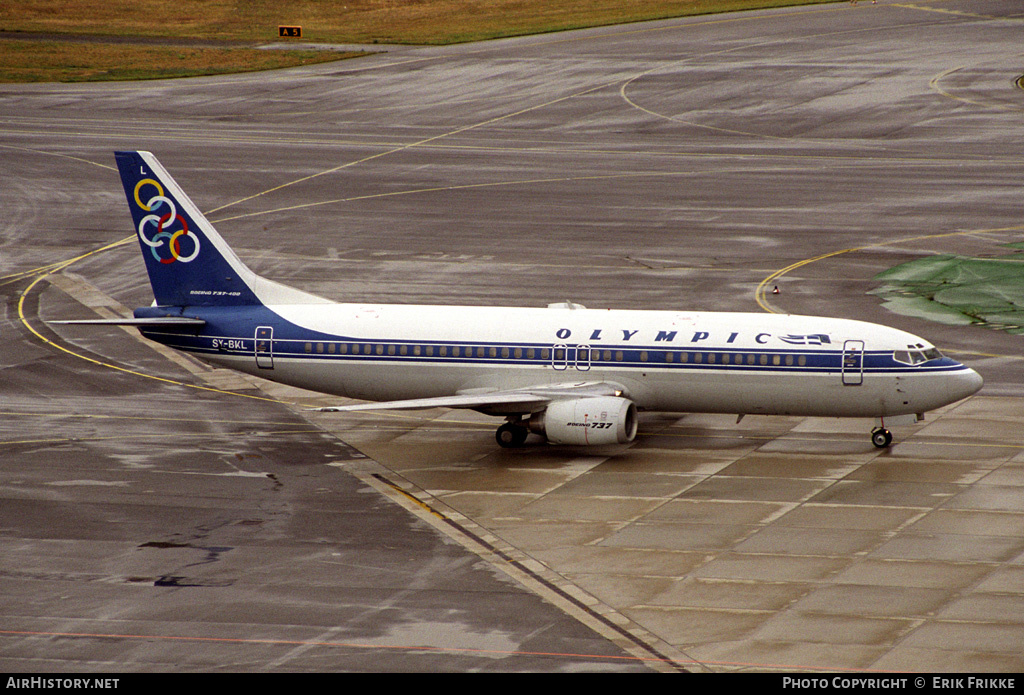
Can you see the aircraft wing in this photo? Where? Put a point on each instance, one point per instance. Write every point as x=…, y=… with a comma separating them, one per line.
x=520, y=400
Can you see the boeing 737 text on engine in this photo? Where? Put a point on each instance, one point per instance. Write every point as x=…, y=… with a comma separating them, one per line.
x=570, y=374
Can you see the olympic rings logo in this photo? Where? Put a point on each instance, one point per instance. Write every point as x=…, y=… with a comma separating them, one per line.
x=164, y=230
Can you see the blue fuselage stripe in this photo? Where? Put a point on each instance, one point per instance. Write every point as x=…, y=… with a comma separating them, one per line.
x=348, y=350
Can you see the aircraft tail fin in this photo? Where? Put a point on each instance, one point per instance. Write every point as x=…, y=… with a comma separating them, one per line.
x=188, y=262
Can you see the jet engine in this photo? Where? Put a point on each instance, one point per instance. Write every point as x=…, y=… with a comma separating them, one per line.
x=587, y=421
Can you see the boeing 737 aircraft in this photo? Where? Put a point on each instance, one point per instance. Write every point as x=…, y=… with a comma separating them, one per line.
x=573, y=375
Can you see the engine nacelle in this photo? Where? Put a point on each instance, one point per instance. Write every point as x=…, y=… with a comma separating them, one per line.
x=600, y=420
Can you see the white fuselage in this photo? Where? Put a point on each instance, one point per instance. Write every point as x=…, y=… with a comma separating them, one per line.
x=663, y=360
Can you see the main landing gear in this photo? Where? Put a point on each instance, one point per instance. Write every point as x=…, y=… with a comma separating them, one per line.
x=511, y=435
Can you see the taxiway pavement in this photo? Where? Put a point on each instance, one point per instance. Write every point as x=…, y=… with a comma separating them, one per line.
x=148, y=524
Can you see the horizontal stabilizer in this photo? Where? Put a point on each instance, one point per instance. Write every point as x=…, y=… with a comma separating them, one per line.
x=156, y=322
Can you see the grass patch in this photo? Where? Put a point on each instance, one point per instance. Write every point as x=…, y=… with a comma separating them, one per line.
x=256, y=21
x=45, y=61
x=347, y=21
x=958, y=291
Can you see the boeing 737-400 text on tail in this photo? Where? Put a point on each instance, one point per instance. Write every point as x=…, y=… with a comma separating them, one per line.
x=572, y=375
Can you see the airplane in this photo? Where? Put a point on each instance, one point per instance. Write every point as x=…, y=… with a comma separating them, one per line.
x=573, y=375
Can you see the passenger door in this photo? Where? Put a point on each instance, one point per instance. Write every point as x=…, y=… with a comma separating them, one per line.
x=853, y=363
x=265, y=347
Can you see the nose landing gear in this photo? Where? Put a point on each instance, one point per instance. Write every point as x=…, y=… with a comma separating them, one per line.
x=881, y=437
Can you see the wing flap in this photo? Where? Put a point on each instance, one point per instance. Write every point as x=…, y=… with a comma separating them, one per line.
x=513, y=400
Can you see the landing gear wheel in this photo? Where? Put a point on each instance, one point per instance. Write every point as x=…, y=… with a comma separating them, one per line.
x=511, y=435
x=881, y=437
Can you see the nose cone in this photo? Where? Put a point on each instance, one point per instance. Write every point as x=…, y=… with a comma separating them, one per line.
x=965, y=383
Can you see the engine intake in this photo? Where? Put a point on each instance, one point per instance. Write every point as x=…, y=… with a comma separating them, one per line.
x=587, y=421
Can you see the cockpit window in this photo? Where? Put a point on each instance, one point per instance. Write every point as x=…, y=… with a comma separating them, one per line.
x=916, y=356
x=908, y=357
